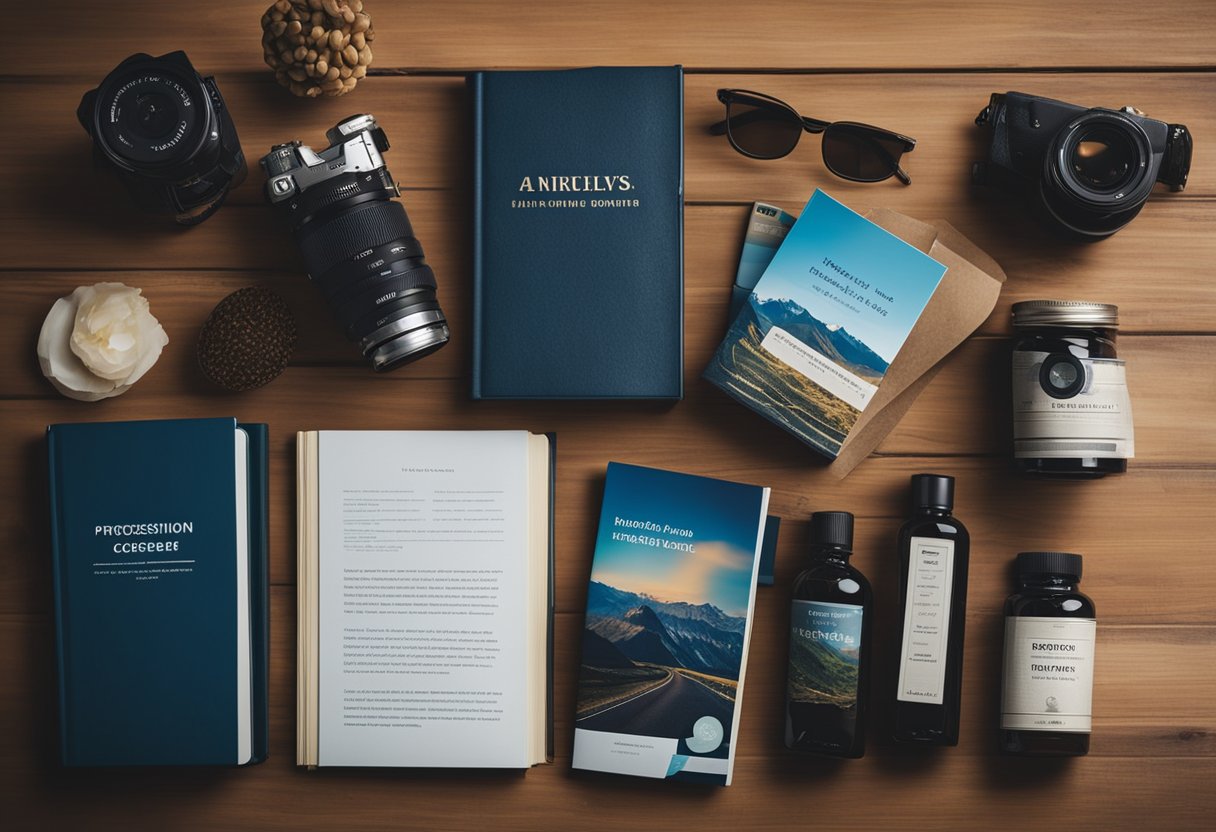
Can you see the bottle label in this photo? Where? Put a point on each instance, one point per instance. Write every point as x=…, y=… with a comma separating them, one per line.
x=1089, y=415
x=825, y=650
x=1049, y=674
x=922, y=658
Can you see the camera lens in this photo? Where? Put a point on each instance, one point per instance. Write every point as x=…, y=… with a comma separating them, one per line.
x=1097, y=175
x=361, y=252
x=1103, y=158
x=1062, y=376
x=163, y=128
x=151, y=118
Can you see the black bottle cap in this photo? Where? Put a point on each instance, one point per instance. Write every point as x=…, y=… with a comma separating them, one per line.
x=832, y=528
x=1049, y=563
x=932, y=491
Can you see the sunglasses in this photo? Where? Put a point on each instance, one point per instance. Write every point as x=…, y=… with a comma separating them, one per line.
x=764, y=127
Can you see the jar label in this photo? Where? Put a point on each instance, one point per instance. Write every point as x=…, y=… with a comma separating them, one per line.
x=825, y=649
x=922, y=658
x=1066, y=407
x=1049, y=674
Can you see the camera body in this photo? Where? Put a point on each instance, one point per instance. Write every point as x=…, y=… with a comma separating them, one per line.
x=166, y=132
x=1088, y=171
x=357, y=241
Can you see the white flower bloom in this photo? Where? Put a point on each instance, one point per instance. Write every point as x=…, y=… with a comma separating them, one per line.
x=98, y=341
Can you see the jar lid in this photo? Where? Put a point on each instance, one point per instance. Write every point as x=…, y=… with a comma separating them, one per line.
x=1049, y=563
x=1067, y=313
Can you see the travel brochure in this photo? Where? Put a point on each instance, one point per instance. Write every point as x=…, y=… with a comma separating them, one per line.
x=824, y=322
x=669, y=611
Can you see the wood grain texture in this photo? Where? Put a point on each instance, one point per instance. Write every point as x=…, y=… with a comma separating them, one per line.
x=924, y=69
x=459, y=34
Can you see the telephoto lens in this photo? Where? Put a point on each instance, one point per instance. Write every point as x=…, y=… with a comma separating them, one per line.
x=166, y=132
x=357, y=242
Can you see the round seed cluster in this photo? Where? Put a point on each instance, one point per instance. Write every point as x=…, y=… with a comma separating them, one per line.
x=317, y=47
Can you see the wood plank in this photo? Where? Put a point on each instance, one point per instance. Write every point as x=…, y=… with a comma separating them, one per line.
x=1006, y=513
x=941, y=422
x=1183, y=723
x=1165, y=761
x=698, y=33
x=938, y=109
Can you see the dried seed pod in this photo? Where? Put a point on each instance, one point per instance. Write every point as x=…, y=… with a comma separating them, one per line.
x=317, y=47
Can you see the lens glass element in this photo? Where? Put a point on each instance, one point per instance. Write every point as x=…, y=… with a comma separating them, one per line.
x=1102, y=158
x=153, y=116
x=1062, y=376
x=763, y=132
x=860, y=153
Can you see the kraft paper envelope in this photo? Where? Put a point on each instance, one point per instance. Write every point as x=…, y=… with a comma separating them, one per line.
x=964, y=299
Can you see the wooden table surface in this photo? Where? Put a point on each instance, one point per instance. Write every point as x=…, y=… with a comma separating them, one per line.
x=924, y=69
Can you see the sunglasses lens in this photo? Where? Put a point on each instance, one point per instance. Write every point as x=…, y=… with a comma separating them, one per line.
x=765, y=132
x=860, y=153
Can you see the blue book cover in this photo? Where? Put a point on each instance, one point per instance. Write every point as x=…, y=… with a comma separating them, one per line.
x=824, y=322
x=159, y=550
x=578, y=231
x=669, y=611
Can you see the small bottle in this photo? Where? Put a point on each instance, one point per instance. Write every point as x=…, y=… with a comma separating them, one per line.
x=829, y=673
x=1048, y=680
x=934, y=550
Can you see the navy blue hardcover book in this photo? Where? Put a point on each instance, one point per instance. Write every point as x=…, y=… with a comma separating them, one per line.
x=578, y=233
x=159, y=548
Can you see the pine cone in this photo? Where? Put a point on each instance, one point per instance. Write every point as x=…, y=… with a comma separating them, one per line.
x=317, y=47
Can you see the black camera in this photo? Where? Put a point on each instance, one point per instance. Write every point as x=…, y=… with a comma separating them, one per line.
x=357, y=242
x=1088, y=171
x=165, y=131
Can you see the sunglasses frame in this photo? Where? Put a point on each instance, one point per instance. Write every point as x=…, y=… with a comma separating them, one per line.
x=809, y=125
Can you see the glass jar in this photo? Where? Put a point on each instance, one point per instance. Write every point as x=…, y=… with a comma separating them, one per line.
x=1071, y=411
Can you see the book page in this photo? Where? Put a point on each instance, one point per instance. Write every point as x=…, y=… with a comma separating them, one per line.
x=244, y=648
x=423, y=599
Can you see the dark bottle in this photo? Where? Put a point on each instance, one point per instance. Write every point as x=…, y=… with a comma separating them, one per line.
x=934, y=550
x=1047, y=684
x=829, y=674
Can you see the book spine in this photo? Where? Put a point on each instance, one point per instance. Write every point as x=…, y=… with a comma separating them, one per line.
x=59, y=571
x=679, y=322
x=259, y=584
x=475, y=83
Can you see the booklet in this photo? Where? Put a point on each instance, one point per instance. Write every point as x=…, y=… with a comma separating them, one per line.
x=425, y=598
x=824, y=322
x=669, y=612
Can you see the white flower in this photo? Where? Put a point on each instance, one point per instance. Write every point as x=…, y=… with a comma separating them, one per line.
x=98, y=341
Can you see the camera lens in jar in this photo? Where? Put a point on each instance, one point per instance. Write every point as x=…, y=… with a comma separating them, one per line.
x=1071, y=411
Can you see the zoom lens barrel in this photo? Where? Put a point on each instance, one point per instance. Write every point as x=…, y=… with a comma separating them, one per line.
x=358, y=244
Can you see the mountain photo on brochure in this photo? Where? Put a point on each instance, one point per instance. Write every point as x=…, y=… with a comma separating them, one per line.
x=668, y=615
x=824, y=322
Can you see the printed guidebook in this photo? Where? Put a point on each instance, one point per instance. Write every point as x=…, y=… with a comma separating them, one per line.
x=824, y=322
x=669, y=611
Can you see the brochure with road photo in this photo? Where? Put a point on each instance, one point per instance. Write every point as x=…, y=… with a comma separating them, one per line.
x=824, y=322
x=669, y=612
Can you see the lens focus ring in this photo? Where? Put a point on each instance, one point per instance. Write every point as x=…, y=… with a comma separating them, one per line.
x=342, y=238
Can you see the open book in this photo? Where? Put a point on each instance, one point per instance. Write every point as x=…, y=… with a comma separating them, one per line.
x=425, y=598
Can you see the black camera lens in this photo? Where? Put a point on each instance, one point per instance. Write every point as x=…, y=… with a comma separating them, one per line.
x=358, y=244
x=1062, y=376
x=1097, y=174
x=164, y=129
x=1103, y=159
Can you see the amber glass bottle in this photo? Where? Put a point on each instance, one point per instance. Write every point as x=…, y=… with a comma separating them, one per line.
x=829, y=672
